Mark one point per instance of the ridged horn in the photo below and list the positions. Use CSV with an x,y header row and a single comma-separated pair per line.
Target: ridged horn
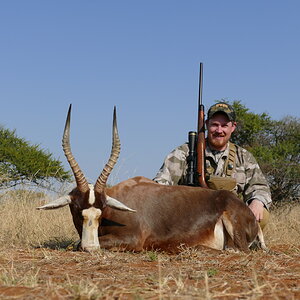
x,y
114,155
81,182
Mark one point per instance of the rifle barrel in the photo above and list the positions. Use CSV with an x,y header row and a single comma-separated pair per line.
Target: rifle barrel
x,y
200,84
201,135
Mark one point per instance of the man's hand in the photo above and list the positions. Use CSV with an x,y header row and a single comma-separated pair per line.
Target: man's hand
x,y
257,208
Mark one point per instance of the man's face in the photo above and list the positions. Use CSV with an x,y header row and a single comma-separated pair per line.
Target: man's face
x,y
219,130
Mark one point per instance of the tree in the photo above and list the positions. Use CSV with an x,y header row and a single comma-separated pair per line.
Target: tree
x,y
275,145
278,152
21,162
249,125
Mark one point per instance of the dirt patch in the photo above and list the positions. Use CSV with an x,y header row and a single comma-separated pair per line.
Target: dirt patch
x,y
203,274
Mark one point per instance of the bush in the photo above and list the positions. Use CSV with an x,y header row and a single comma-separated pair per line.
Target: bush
x,y
22,162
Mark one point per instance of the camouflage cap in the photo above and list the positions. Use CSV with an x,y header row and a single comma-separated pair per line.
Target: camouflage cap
x,y
222,107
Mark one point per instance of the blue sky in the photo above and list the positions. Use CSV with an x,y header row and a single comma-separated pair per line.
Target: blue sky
x,y
143,57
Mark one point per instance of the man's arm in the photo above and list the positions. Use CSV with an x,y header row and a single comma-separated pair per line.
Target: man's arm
x,y
174,166
256,192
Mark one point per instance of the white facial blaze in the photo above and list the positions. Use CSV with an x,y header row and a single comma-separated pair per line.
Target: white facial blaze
x,y
90,240
92,195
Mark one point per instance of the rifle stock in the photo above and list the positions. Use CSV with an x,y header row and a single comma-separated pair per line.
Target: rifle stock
x,y
201,148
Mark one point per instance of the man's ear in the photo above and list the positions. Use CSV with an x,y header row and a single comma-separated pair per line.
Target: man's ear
x,y
233,127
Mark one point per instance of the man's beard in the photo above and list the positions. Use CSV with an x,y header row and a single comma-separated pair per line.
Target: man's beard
x,y
218,143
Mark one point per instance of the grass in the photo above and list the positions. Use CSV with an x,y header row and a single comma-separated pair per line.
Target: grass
x,y
284,225
36,263
22,225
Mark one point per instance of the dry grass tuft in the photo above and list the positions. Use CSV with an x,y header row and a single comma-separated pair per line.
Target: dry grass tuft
x,y
284,225
22,225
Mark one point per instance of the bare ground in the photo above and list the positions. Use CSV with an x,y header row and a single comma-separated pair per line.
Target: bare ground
x,y
44,273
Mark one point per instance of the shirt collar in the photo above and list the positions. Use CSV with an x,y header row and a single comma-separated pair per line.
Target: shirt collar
x,y
209,152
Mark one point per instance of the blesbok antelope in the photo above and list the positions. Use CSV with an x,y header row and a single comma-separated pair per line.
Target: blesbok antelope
x,y
148,215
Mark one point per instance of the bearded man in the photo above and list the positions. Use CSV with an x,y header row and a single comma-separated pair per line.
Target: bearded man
x,y
227,165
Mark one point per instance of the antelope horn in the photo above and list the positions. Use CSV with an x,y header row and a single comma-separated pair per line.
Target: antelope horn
x,y
81,182
116,204
60,202
115,151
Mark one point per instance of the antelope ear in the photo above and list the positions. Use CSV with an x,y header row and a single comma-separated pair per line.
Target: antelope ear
x,y
114,203
58,203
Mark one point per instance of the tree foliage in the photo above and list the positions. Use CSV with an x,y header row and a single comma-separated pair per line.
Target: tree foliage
x,y
21,162
249,125
275,144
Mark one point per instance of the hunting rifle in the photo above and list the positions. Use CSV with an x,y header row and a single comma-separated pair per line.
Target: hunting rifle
x,y
196,159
